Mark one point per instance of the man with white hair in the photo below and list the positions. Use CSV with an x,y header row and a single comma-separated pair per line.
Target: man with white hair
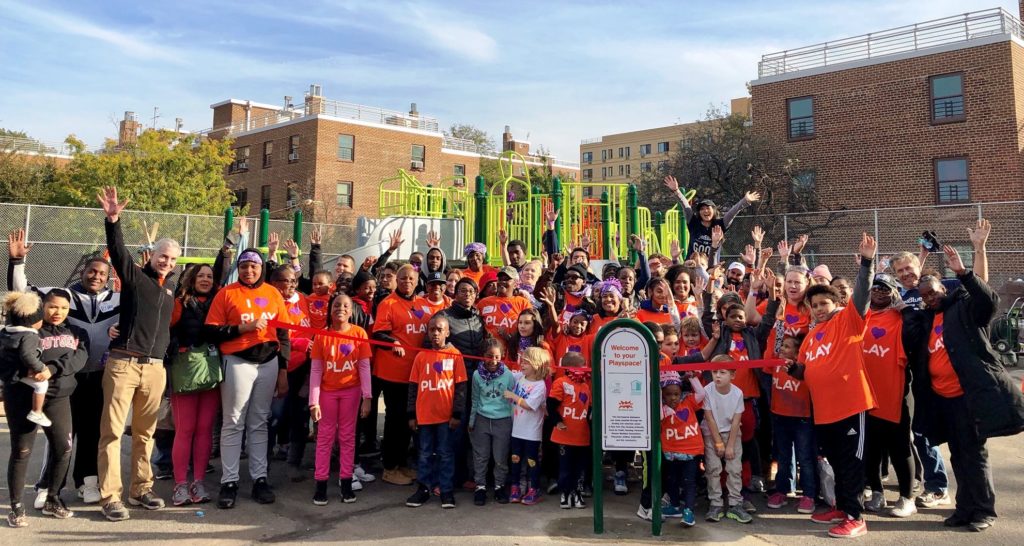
x,y
134,376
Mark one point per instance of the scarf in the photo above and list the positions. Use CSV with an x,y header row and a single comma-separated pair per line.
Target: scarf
x,y
488,376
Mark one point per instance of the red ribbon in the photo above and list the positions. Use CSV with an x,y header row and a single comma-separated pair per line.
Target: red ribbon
x,y
734,365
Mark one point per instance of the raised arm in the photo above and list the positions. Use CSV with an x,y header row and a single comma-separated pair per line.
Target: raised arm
x,y
748,199
17,250
865,275
673,185
984,300
979,236
120,257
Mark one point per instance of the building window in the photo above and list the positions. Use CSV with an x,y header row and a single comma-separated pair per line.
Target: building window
x,y
604,172
293,148
346,147
241,198
622,170
663,147
588,157
662,166
268,153
645,149
588,192
947,94
604,155
588,174
459,171
419,154
344,194
627,170
646,167
951,180
291,195
801,118
265,197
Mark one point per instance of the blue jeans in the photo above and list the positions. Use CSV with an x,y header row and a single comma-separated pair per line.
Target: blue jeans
x,y
529,450
572,460
935,479
794,443
437,457
680,482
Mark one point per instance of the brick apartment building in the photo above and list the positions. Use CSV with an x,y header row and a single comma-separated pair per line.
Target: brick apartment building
x,y
328,158
622,157
923,115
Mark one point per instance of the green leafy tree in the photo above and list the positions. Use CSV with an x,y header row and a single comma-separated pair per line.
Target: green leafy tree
x,y
468,132
163,172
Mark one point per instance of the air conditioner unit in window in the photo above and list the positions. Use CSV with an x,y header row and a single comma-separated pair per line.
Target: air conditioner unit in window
x,y
416,165
243,165
294,156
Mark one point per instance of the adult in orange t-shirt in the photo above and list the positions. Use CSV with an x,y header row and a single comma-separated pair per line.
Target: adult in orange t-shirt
x,y
831,364
500,312
568,407
888,425
255,363
475,266
401,320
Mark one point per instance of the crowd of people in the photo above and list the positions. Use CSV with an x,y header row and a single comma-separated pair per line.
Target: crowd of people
x,y
806,387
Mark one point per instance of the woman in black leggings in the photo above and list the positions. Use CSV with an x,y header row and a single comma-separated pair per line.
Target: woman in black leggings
x,y
65,352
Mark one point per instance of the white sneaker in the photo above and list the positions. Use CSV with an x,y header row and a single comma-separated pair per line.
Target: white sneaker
x,y
90,490
362,475
40,499
356,485
38,418
904,508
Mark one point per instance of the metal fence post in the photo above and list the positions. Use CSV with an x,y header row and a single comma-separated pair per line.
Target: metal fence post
x,y
184,244
979,211
878,239
785,227
28,218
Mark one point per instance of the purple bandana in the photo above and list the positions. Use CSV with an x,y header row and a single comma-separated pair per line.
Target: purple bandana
x,y
250,256
475,247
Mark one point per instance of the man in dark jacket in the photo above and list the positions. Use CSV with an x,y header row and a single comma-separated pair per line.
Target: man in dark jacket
x,y
134,376
962,393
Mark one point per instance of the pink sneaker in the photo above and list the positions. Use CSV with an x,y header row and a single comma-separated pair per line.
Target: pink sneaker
x,y
532,496
830,516
806,505
776,500
514,495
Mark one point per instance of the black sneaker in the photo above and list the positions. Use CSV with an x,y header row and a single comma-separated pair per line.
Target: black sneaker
x,y
419,498
115,511
209,469
261,492
448,500
956,520
347,495
228,495
147,500
480,496
163,472
501,494
977,526
320,496
55,507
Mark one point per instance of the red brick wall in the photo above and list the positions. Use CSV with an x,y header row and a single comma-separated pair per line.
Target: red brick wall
x,y
874,141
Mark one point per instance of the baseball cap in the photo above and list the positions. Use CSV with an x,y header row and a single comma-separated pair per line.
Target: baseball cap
x,y
436,276
509,272
822,271
886,280
579,268
737,265
706,203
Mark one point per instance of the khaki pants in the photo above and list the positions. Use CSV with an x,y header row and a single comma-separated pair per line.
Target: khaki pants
x,y
713,471
138,387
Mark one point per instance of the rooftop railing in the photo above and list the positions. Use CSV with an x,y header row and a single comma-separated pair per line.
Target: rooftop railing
x,y
916,37
333,108
21,145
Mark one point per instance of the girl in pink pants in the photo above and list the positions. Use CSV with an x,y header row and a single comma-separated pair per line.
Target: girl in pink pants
x,y
339,393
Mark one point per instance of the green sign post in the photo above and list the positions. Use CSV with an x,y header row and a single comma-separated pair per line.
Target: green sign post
x,y
626,406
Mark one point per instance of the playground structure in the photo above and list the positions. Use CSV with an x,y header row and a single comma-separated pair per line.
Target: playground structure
x,y
517,206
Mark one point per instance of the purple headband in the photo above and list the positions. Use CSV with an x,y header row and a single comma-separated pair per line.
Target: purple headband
x,y
250,256
670,378
611,285
475,247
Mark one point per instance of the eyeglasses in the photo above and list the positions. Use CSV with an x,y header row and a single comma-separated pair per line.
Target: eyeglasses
x,y
465,292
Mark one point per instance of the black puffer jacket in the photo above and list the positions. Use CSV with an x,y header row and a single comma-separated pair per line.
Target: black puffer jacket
x,y
466,332
65,352
994,401
146,302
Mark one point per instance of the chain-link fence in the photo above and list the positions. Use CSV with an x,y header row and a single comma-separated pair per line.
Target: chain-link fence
x,y
835,235
63,237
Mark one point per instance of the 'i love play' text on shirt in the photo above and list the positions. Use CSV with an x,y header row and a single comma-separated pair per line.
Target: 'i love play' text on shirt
x,y
745,379
573,408
789,395
795,322
945,382
341,357
834,373
501,315
435,373
317,306
406,319
886,362
298,312
680,432
235,304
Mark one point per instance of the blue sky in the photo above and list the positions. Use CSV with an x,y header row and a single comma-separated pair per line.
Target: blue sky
x,y
559,71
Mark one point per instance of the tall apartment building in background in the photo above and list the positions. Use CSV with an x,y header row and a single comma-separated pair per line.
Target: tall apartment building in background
x,y
622,157
329,157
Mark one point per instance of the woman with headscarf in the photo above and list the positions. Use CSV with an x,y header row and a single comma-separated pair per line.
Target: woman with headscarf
x,y
255,367
475,266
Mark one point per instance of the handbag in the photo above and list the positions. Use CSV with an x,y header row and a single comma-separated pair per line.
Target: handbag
x,y
197,369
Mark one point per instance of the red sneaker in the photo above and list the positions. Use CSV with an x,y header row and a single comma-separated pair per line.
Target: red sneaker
x,y
829,516
806,505
849,528
776,500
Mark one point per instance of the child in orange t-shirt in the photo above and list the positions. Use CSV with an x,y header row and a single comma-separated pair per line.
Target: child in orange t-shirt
x,y
831,364
681,443
568,407
792,433
317,301
339,393
437,394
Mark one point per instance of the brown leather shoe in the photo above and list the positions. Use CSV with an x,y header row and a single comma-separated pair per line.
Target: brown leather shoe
x,y
408,472
396,477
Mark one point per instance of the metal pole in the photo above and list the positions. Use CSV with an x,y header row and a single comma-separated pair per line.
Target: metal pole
x,y
264,227
556,201
184,244
297,227
596,399
229,220
480,220
785,228
606,226
28,220
634,217
878,239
